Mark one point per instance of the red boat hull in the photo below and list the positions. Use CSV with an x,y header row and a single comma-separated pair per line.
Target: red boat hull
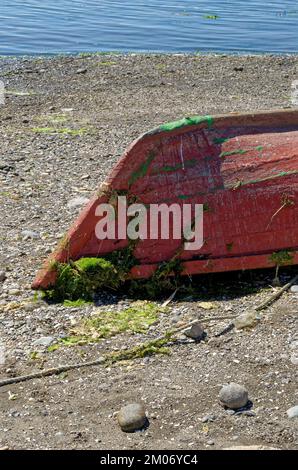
x,y
242,168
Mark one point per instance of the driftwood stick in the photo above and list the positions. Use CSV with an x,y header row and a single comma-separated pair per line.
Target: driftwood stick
x,y
52,371
264,305
276,295
102,360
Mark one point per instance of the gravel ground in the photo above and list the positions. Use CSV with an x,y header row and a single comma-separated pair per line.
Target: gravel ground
x,y
103,102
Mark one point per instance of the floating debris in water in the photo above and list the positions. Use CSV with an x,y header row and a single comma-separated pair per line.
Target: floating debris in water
x,y
211,17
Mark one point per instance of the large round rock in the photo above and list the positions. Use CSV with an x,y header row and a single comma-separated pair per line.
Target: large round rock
x,y
132,417
233,396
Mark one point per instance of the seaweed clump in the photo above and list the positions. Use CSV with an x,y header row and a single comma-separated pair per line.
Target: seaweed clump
x,y
80,280
135,319
165,278
149,348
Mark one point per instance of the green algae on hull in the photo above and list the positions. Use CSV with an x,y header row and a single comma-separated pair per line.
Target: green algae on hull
x,y
188,121
142,170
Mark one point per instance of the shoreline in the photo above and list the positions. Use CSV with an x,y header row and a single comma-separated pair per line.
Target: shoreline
x,y
147,53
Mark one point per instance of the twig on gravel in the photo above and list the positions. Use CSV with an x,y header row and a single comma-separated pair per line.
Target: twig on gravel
x,y
166,302
49,372
264,305
276,295
225,330
67,367
100,361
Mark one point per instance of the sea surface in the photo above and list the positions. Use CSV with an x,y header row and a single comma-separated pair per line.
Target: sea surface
x,y
74,26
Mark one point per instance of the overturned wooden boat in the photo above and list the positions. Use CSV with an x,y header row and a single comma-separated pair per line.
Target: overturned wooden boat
x,y
243,168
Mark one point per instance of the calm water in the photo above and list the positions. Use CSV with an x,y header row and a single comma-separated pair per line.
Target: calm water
x,y
70,26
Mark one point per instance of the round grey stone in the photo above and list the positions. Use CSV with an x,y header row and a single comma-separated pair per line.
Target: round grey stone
x,y
44,341
294,289
132,417
196,332
233,396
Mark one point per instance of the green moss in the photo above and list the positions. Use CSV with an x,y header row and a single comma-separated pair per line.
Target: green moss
x,y
188,121
211,17
53,347
233,152
34,356
84,54
206,207
161,66
281,258
57,118
241,151
135,319
61,130
75,303
165,278
107,63
142,170
79,280
146,349
220,140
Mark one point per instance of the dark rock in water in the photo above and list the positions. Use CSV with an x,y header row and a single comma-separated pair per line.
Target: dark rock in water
x,y
233,396
196,332
132,417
